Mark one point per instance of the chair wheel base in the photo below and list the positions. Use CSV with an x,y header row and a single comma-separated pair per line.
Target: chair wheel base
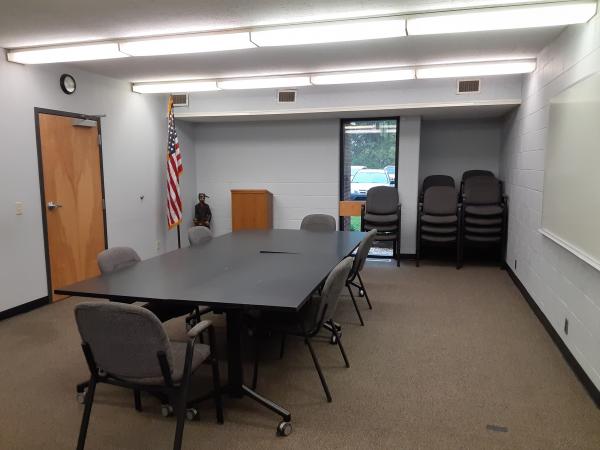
x,y
81,396
333,340
166,410
284,428
191,414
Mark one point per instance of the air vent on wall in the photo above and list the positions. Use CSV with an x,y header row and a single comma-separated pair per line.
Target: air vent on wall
x,y
286,96
468,87
180,100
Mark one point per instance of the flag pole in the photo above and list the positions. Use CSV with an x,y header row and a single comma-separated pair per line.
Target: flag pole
x,y
178,237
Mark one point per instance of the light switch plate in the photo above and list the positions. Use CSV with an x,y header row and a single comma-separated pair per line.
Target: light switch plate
x,y
19,208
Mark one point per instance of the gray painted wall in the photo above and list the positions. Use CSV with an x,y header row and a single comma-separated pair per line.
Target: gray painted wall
x,y
409,143
134,151
449,147
562,285
298,161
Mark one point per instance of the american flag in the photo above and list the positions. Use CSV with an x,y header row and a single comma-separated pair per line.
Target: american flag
x,y
174,171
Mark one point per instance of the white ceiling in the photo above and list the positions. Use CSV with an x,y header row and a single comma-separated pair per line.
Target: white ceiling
x,y
322,57
35,22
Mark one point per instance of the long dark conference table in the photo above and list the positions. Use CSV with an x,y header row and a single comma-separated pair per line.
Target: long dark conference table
x,y
274,270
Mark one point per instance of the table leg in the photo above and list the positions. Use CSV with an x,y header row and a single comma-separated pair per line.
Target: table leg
x,y
234,353
236,387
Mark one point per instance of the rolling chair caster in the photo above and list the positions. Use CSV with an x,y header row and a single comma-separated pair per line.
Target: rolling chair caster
x,y
332,339
191,321
191,414
81,396
166,410
284,428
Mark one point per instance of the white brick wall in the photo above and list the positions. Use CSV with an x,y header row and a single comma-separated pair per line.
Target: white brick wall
x,y
562,285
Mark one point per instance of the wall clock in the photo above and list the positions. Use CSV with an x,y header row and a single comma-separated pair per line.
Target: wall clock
x,y
67,83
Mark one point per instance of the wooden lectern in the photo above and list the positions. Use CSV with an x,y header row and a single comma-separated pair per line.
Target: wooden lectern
x,y
251,209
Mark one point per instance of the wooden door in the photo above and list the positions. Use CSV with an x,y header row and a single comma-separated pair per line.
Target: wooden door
x,y
73,198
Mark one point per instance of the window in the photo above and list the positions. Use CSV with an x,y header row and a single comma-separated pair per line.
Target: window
x,y
369,151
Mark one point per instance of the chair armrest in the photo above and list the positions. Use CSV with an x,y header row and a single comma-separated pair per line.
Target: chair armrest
x,y
199,328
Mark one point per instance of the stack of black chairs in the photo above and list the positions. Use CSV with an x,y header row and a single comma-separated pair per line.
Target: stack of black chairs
x,y
477,218
484,217
382,212
438,218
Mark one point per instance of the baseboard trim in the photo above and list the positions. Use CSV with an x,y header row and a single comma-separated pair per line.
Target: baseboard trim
x,y
25,307
587,383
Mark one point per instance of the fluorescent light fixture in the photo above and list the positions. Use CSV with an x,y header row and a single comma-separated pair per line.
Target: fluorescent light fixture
x,y
65,53
477,69
265,82
169,87
363,76
502,18
339,31
193,43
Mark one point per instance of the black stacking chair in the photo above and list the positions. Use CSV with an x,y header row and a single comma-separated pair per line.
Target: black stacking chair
x,y
435,180
470,174
318,222
476,173
126,345
382,212
308,322
438,221
484,217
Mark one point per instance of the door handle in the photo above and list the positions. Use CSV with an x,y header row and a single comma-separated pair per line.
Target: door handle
x,y
53,205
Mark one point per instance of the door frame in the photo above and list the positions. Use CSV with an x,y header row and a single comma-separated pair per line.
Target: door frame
x,y
37,111
341,156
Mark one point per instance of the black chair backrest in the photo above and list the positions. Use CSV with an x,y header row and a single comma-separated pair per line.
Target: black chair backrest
x,y
435,180
318,222
482,190
382,200
124,339
117,258
440,201
476,173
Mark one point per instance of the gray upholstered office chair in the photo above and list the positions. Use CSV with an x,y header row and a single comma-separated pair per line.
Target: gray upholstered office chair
x,y
308,322
126,345
382,212
318,222
119,258
438,219
357,265
199,235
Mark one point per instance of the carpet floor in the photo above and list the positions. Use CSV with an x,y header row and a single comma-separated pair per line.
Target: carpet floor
x,y
447,360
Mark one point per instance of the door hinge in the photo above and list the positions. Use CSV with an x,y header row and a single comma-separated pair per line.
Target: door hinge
x,y
99,140
104,204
